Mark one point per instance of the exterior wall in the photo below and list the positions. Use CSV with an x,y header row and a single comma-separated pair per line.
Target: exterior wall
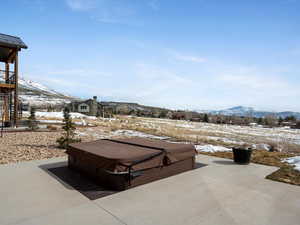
x,y
91,107
94,106
83,108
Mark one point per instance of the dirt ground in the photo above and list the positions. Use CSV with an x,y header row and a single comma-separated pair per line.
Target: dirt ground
x,y
25,146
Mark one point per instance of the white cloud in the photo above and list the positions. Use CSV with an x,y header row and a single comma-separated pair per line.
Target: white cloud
x,y
261,91
254,82
81,5
111,11
188,58
77,72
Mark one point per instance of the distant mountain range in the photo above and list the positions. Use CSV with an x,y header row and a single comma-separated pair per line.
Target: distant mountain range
x,y
37,94
249,111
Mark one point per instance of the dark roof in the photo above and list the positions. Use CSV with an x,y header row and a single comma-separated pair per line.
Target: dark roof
x,y
11,41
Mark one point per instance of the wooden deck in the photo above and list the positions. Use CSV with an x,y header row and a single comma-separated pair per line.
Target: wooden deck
x,y
10,86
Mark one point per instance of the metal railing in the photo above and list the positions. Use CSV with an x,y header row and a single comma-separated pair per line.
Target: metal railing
x,y
11,77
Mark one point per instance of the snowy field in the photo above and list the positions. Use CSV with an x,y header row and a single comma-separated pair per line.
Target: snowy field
x,y
225,135
207,137
230,134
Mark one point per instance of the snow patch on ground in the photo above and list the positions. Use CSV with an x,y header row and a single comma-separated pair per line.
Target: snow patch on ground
x,y
50,121
295,161
60,115
132,133
238,134
265,147
117,133
211,148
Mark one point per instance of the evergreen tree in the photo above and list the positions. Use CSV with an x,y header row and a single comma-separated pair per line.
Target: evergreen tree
x,y
206,119
280,120
162,114
260,121
291,119
32,123
69,128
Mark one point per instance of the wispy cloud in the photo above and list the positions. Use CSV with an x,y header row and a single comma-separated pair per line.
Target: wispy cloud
x,y
255,82
112,11
77,72
187,57
259,89
81,5
153,5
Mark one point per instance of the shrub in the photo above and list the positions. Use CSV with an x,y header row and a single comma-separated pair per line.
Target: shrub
x,y
206,119
32,123
69,128
51,127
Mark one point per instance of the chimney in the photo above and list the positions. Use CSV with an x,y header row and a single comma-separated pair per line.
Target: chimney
x,y
94,107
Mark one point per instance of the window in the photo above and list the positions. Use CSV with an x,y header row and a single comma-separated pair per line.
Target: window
x,y
83,108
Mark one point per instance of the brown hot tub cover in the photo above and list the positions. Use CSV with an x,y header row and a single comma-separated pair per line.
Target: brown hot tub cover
x,y
128,156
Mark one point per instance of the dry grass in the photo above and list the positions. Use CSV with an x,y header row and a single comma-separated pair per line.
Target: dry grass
x,y
176,132
258,156
286,174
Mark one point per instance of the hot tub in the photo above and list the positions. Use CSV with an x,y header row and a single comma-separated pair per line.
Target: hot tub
x,y
120,164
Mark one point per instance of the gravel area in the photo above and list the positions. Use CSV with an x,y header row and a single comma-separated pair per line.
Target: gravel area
x,y
24,146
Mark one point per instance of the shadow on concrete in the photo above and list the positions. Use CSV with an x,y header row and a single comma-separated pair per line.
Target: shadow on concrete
x,y
74,180
71,179
200,165
224,162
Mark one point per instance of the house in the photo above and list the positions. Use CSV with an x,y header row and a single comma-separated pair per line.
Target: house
x,y
90,107
10,46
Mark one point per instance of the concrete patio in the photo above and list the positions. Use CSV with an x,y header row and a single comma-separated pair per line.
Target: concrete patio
x,y
218,192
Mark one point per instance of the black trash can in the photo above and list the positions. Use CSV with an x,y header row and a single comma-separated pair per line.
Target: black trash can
x,y
6,124
242,155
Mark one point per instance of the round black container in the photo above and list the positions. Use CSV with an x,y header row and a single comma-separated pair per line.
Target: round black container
x,y
6,124
242,155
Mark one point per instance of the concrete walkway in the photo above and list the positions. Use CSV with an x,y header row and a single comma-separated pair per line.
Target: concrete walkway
x,y
218,193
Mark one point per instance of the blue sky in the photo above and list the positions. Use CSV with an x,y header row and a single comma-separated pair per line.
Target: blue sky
x,y
192,54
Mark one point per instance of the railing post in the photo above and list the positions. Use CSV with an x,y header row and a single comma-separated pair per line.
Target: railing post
x,y
16,99
5,97
6,78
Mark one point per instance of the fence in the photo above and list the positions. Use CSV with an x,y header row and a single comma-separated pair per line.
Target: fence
x,y
11,77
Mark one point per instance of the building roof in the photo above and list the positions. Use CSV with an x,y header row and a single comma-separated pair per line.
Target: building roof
x,y
9,45
11,41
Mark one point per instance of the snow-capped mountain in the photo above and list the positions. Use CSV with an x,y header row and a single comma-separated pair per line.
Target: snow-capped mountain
x,y
37,94
249,111
29,84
